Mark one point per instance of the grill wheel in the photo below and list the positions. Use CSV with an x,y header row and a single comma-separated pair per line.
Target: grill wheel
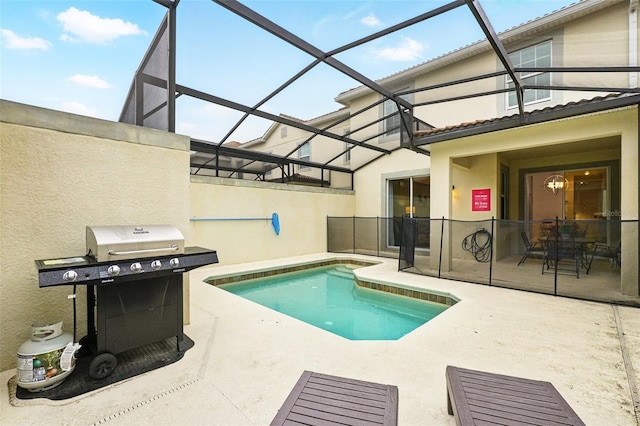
x,y
102,365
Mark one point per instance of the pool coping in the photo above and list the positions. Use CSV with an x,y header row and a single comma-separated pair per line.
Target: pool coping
x,y
432,296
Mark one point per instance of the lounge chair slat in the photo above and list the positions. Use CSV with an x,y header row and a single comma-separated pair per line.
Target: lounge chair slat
x,y
355,413
345,392
341,402
513,400
337,379
523,414
518,420
330,418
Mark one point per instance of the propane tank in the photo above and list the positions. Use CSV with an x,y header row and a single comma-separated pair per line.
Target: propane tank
x,y
46,359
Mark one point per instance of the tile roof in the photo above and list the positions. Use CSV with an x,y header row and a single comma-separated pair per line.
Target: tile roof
x,y
529,117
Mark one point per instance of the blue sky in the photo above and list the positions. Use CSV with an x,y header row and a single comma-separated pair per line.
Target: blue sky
x,y
80,56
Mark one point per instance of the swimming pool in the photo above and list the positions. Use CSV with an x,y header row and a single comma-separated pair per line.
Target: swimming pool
x,y
328,298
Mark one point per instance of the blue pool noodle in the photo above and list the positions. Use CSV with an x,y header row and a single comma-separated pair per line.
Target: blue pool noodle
x,y
275,221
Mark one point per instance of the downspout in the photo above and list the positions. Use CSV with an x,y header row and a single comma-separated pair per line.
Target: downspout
x,y
633,42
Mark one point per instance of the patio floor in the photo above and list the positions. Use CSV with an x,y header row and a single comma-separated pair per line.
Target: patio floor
x,y
602,283
247,358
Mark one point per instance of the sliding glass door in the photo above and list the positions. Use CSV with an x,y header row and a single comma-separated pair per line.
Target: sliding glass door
x,y
581,194
410,197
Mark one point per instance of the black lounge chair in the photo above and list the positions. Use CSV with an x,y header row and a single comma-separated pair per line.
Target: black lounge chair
x,y
322,399
530,248
477,397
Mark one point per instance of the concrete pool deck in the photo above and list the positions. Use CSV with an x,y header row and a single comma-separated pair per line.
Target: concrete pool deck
x,y
247,358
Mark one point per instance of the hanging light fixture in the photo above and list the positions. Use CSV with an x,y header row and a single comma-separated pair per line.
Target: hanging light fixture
x,y
555,183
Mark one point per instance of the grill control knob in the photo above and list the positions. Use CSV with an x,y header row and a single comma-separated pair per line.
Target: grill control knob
x,y
113,270
156,264
175,262
136,267
70,276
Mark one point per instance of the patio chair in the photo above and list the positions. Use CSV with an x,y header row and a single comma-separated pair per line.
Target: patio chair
x,y
603,251
321,399
530,248
479,397
563,255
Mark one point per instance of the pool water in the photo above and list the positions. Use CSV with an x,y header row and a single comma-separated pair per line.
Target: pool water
x,y
328,298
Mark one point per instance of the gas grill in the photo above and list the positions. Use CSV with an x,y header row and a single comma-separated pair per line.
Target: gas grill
x,y
133,276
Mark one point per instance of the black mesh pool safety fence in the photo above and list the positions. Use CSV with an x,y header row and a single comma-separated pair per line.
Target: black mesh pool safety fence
x,y
584,259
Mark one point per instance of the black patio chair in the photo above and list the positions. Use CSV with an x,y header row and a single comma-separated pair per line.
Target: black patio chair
x,y
603,251
563,256
530,248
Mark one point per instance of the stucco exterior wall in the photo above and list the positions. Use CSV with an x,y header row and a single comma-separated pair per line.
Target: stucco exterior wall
x,y
455,112
302,213
607,34
59,173
479,172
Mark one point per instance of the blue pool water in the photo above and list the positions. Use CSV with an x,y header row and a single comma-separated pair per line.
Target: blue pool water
x,y
328,298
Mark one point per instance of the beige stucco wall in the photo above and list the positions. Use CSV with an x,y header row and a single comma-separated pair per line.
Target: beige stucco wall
x,y
605,33
455,112
302,213
59,173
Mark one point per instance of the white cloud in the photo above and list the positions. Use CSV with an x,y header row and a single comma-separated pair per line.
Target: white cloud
x,y
92,81
212,122
370,20
407,50
11,40
78,108
80,25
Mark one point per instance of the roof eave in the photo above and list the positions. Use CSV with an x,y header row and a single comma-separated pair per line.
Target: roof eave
x,y
529,119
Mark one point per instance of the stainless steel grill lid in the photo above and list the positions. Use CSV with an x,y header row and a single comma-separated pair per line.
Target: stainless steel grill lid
x,y
128,242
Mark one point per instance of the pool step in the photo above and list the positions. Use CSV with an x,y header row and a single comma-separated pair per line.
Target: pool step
x,y
341,272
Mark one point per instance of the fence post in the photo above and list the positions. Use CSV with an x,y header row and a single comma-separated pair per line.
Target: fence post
x,y
491,250
555,266
441,239
353,244
378,236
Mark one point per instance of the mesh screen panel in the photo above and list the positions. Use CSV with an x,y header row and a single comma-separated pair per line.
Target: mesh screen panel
x,y
149,108
408,243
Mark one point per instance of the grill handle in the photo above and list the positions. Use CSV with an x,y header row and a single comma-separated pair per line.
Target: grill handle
x,y
154,250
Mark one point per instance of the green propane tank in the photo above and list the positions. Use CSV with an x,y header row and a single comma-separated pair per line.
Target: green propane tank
x,y
46,359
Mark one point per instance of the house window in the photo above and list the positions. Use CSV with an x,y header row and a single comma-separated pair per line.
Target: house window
x,y
531,57
392,123
283,132
304,154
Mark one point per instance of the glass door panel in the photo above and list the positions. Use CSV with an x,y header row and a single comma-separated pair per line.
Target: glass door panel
x,y
566,194
408,197
399,204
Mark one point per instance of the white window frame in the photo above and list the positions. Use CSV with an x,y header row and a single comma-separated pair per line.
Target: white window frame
x,y
304,154
347,151
539,95
388,107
